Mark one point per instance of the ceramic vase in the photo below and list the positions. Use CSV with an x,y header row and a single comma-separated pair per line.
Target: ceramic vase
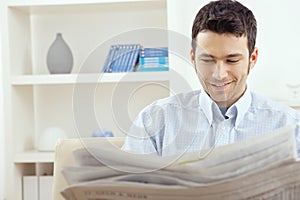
x,y
59,56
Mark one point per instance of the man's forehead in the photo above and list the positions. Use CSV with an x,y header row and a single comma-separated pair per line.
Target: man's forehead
x,y
215,44
206,36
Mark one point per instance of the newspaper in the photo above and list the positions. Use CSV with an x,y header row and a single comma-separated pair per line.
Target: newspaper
x,y
263,167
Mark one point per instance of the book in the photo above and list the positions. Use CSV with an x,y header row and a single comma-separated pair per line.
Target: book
x,y
155,52
152,68
153,64
262,167
109,59
133,58
116,59
121,58
126,56
153,59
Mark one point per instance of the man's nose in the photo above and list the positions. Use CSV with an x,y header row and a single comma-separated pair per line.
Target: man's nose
x,y
220,71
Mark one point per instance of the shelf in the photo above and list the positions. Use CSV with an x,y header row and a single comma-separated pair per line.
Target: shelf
x,y
36,7
36,100
89,78
34,156
67,2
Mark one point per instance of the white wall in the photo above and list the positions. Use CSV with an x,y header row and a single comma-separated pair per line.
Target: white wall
x,y
278,42
2,154
2,143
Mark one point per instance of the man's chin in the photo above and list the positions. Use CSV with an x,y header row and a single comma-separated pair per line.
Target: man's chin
x,y
220,97
221,101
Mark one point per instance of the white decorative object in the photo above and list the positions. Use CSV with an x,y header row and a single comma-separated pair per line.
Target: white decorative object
x,y
49,138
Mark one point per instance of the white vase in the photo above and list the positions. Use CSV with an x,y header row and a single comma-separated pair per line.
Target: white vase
x,y
59,57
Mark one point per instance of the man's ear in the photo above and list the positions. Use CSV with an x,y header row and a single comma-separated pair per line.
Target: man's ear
x,y
253,57
192,55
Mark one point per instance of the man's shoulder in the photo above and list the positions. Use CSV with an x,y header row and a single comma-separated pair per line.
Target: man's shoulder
x,y
262,103
187,99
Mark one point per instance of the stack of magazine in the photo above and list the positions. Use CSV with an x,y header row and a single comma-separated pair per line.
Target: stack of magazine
x,y
122,58
133,57
154,59
263,167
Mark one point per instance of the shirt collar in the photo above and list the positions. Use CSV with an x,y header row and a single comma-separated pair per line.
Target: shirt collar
x,y
206,104
238,109
241,106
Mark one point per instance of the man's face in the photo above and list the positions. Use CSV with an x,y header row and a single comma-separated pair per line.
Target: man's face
x,y
222,64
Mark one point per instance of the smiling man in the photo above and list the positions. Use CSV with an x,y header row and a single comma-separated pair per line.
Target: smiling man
x,y
222,63
223,54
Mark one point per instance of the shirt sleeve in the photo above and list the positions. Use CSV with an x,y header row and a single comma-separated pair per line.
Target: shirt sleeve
x,y
145,132
297,135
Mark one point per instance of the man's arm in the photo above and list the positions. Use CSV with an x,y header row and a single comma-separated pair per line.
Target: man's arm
x,y
145,132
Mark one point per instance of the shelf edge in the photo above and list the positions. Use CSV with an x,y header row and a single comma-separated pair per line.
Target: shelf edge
x,y
22,3
34,156
88,78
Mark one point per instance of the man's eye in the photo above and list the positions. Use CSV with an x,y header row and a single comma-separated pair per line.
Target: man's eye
x,y
233,61
207,60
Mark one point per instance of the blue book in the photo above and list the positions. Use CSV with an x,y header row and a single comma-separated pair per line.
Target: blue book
x,y
129,49
153,60
116,59
152,68
130,59
120,63
108,60
155,52
121,58
133,58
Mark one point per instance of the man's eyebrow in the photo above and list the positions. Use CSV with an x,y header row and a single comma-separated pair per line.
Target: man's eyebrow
x,y
205,55
234,55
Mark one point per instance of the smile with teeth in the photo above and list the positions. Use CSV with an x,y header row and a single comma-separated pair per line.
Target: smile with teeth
x,y
220,86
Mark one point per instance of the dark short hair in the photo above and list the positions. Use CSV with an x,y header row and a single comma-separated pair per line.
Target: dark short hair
x,y
226,16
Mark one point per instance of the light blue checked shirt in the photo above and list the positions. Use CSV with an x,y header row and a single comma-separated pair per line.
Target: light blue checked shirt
x,y
192,121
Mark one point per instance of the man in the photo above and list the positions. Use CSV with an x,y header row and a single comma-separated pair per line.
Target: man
x,y
223,54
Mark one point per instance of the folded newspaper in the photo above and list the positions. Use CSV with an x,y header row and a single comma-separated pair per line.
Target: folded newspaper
x,y
263,167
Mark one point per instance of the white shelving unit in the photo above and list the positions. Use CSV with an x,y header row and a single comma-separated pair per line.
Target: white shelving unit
x,y
35,100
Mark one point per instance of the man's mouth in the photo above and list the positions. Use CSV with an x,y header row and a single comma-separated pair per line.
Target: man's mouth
x,y
221,86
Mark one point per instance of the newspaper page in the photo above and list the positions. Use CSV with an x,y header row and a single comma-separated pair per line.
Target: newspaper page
x,y
260,167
